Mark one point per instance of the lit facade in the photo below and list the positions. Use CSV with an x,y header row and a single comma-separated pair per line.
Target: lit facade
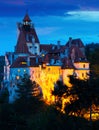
x,y
45,63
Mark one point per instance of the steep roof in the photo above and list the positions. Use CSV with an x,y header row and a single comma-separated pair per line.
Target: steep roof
x,y
67,63
21,46
35,61
75,42
76,54
45,47
20,62
27,18
33,33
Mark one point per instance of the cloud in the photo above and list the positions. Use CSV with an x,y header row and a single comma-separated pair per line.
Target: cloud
x,y
83,15
45,7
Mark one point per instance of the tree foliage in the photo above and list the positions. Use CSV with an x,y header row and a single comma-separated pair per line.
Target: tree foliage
x,y
27,88
92,53
60,91
87,92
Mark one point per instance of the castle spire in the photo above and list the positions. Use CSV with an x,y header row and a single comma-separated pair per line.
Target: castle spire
x,y
26,18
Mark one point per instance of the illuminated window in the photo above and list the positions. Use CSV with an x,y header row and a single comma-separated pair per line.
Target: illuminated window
x,y
23,63
44,65
24,70
17,77
18,70
43,55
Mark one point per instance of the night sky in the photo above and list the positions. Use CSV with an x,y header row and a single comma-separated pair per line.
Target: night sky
x,y
53,19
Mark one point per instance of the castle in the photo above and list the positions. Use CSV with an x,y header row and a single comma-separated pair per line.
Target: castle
x,y
45,63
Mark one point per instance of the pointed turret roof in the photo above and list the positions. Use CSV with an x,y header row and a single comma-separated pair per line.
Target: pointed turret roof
x,y
27,18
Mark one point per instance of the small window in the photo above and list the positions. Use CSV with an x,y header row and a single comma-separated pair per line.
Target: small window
x,y
48,69
23,63
18,70
24,70
83,65
82,74
17,77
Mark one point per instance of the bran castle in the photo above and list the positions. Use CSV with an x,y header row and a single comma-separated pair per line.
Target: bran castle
x,y
45,63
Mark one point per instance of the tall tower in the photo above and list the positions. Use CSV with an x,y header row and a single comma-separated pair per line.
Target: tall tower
x,y
28,41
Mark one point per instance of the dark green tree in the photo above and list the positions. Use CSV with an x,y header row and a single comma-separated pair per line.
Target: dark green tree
x,y
26,88
29,102
28,93
92,53
60,90
87,92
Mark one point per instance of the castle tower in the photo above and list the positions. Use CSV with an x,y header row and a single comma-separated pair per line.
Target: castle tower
x,y
28,41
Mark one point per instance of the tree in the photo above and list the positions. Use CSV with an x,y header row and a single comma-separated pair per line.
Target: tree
x,y
29,96
28,102
27,89
60,91
92,53
87,93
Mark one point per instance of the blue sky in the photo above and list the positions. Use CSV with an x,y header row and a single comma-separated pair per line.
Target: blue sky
x,y
53,19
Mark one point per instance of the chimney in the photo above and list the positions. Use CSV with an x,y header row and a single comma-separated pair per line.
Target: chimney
x,y
58,44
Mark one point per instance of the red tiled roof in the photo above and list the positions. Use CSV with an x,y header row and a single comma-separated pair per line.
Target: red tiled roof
x,y
27,18
49,48
45,47
35,61
67,63
75,42
32,32
77,52
46,58
20,62
21,46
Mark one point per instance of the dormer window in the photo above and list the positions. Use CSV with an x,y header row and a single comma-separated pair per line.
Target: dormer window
x,y
30,47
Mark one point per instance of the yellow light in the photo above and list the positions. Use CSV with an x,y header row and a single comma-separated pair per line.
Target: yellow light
x,y
49,75
18,70
43,55
23,63
17,77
